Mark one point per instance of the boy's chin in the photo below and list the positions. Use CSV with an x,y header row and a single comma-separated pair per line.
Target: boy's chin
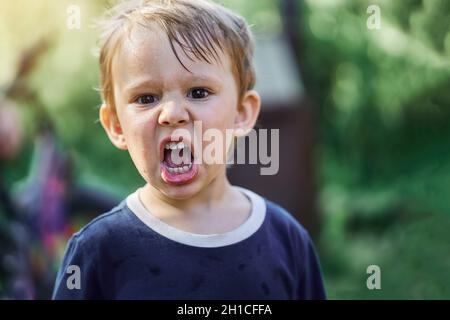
x,y
181,192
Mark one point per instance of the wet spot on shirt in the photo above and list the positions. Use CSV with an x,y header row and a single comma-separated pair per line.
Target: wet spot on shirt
x,y
241,267
258,250
265,288
156,271
197,281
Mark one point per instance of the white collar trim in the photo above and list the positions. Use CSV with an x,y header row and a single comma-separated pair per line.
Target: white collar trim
x,y
245,230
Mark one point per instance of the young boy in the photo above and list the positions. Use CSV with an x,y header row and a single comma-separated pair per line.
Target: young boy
x,y
187,233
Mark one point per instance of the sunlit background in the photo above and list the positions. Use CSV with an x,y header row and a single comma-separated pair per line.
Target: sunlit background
x,y
373,125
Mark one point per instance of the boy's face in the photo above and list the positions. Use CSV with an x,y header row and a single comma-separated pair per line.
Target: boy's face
x,y
155,95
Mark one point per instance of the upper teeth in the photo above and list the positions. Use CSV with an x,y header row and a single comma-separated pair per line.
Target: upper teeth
x,y
174,145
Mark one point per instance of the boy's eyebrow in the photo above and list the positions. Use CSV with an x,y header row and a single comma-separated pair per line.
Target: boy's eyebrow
x,y
212,80
135,85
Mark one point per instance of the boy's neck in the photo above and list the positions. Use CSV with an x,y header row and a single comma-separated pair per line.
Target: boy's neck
x,y
217,208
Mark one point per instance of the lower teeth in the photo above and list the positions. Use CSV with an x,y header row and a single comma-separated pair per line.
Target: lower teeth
x,y
182,169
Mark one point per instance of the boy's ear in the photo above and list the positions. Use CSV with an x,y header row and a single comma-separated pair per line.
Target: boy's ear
x,y
247,113
111,124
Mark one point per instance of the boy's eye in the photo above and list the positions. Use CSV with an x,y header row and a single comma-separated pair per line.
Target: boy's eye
x,y
146,99
198,93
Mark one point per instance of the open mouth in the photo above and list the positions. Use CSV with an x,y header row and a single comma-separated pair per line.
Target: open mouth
x,y
178,157
177,165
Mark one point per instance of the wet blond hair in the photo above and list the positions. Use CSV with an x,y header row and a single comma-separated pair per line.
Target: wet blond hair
x,y
200,27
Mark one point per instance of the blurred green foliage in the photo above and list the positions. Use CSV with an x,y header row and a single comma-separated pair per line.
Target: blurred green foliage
x,y
382,103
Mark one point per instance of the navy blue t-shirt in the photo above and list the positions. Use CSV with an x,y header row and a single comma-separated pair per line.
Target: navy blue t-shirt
x,y
128,253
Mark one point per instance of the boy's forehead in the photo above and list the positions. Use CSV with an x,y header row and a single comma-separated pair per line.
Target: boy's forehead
x,y
147,51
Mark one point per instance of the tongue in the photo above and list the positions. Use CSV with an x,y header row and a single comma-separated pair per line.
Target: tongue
x,y
170,155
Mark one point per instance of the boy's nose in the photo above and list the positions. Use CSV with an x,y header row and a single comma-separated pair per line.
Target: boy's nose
x,y
173,113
